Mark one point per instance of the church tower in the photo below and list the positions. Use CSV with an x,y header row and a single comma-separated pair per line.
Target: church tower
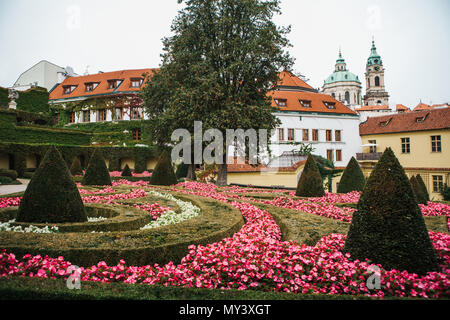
x,y
375,91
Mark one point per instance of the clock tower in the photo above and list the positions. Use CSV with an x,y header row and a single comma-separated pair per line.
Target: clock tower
x,y
375,91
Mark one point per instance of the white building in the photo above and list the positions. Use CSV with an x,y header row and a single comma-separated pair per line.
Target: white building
x,y
314,118
43,74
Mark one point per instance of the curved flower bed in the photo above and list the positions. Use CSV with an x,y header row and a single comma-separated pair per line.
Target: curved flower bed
x,y
142,174
7,226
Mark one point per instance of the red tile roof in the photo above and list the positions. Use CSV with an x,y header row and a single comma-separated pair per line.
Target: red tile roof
x,y
400,107
407,122
316,100
288,79
102,80
373,108
422,106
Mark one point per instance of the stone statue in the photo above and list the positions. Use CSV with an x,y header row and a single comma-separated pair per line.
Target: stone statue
x,y
13,95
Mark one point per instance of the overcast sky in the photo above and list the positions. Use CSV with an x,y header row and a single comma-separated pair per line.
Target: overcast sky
x,y
412,37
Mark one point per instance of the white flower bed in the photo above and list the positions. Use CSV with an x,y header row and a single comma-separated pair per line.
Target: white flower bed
x,y
188,211
6,226
98,219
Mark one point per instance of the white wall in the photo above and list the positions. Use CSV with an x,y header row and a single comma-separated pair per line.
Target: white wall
x,y
350,140
44,73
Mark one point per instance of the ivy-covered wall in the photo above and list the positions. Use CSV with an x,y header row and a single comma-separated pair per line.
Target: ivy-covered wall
x,y
18,153
32,100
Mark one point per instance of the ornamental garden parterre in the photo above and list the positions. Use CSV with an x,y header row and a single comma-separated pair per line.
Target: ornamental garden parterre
x,y
232,239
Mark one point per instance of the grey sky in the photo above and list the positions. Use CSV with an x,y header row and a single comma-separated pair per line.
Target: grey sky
x,y
412,37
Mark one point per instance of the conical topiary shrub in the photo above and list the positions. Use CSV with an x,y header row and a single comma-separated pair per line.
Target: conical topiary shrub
x,y
96,173
75,168
126,172
51,195
417,190
310,183
423,187
388,228
182,170
352,179
163,174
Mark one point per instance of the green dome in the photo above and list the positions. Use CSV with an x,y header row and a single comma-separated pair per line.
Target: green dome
x,y
345,76
374,57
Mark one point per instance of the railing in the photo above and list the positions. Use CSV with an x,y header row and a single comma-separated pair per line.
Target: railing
x,y
368,156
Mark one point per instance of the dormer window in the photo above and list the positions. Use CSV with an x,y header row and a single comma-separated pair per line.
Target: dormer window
x,y
329,105
305,103
385,123
281,102
68,89
90,86
112,84
136,82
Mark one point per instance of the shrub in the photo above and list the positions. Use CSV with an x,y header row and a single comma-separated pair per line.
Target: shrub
x,y
96,173
388,228
423,187
182,170
446,192
12,174
417,190
352,179
75,168
5,180
310,183
126,172
51,195
163,174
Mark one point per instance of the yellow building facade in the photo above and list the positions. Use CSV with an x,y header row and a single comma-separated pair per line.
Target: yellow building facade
x,y
420,141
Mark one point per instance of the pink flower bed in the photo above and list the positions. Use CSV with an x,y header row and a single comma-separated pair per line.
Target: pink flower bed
x,y
154,209
256,259
136,193
106,190
139,183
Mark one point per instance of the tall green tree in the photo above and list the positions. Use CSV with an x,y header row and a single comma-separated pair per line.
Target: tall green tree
x,y
223,58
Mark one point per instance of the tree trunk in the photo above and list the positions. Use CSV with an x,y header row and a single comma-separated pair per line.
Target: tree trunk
x,y
222,175
191,172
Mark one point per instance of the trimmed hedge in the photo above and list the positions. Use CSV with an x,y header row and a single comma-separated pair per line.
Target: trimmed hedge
x,y
423,187
12,174
163,174
126,172
418,191
97,173
388,228
140,247
352,179
52,196
75,168
310,183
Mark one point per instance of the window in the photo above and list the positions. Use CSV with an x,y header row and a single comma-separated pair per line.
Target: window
x,y
281,102
57,118
330,155
101,115
338,155
328,135
136,134
438,183
112,84
305,103
71,117
337,135
315,135
305,135
136,82
373,149
347,96
291,135
405,145
136,113
333,95
280,134
86,116
118,114
90,86
330,105
68,89
436,144
377,81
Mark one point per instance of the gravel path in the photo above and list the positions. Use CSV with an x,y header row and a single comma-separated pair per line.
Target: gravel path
x,y
14,188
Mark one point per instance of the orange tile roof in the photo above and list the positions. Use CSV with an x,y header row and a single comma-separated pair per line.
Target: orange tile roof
x,y
422,106
407,122
317,102
373,108
287,79
402,108
102,80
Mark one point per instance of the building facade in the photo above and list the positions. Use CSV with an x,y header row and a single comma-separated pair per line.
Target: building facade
x,y
376,93
343,85
420,140
312,118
